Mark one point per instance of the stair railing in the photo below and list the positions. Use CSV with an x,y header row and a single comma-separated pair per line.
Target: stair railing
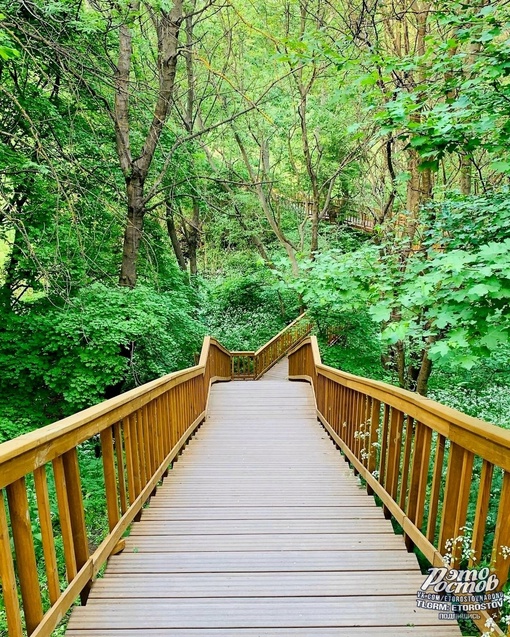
x,y
437,471
138,435
252,365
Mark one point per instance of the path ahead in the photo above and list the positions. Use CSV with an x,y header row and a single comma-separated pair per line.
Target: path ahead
x,y
260,530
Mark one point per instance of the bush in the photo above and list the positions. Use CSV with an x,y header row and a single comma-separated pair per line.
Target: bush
x,y
59,359
245,311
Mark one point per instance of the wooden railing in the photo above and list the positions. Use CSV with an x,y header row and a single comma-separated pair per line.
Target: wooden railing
x,y
243,365
360,221
437,471
251,365
138,434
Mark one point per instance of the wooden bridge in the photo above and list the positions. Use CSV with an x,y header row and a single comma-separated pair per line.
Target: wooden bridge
x,y
259,527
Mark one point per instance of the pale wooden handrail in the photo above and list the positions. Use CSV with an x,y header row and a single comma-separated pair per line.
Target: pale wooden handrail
x,y
418,457
252,364
140,433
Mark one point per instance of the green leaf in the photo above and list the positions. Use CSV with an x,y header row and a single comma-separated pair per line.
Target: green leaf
x,y
380,313
438,350
477,291
494,337
500,166
8,53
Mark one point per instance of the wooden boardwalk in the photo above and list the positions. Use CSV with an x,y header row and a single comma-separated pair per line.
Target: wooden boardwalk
x,y
260,529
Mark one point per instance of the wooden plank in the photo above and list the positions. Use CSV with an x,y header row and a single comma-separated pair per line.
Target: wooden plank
x,y
25,554
274,542
419,474
76,513
383,450
393,631
407,462
368,511
48,541
131,459
190,585
458,484
394,452
76,510
119,452
9,587
65,518
273,501
142,448
437,480
254,612
247,489
501,543
265,526
482,510
110,477
268,561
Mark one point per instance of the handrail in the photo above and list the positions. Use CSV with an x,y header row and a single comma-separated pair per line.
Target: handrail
x,y
252,364
360,221
140,434
433,467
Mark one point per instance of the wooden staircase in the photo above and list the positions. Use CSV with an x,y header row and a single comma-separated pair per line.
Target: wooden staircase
x,y
260,526
243,516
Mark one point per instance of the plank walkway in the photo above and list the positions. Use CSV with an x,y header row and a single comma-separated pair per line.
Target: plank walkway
x,y
260,530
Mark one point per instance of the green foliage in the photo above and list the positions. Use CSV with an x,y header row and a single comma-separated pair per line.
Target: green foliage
x,y
244,312
467,222
449,298
58,359
463,98
349,341
481,392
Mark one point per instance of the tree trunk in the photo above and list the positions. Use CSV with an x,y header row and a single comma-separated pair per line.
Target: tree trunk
x,y
194,239
465,175
136,170
424,374
400,363
132,232
314,240
172,233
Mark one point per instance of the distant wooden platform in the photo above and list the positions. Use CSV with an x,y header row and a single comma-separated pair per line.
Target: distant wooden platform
x,y
260,530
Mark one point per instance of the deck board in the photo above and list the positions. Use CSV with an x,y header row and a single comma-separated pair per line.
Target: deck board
x,y
260,530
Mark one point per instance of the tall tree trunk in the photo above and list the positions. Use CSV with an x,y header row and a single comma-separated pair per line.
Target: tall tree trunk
x,y
194,239
172,233
312,175
465,175
136,170
133,231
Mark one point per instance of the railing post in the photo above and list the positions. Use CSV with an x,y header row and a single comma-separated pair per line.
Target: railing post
x,y
110,479
48,542
77,513
9,588
458,484
25,554
375,414
500,561
419,474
